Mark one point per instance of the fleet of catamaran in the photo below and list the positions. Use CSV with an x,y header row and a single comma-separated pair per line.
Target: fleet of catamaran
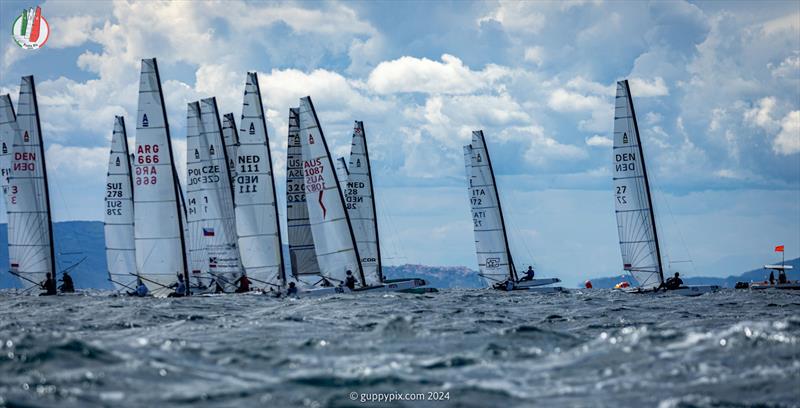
x,y
226,227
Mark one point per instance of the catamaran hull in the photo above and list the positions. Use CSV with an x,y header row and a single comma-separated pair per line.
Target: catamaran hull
x,y
789,285
535,282
527,285
683,290
394,286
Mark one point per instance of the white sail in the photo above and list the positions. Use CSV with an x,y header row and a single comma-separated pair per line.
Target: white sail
x,y
209,204
638,240
341,172
231,138
301,243
334,241
30,234
360,201
158,216
8,131
491,243
256,206
118,222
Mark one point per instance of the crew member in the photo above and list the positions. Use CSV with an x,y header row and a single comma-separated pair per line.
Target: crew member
x,y
292,291
180,288
49,285
782,276
771,277
67,286
350,280
141,289
244,284
674,282
528,274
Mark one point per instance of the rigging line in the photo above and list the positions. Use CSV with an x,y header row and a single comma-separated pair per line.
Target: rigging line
x,y
680,235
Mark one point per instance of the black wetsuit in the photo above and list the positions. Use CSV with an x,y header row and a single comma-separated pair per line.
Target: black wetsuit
x,y
49,287
673,283
350,282
68,286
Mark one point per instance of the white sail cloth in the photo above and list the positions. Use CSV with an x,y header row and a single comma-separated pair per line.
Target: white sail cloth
x,y
360,202
334,241
635,223
209,204
491,242
118,221
158,224
257,221
302,256
30,235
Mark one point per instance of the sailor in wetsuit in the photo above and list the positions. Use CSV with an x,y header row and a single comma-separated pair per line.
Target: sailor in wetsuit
x,y
67,286
350,280
528,274
292,291
49,286
672,283
141,289
180,288
244,284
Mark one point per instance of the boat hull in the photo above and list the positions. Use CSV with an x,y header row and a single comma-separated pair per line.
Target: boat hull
x,y
396,285
683,290
784,286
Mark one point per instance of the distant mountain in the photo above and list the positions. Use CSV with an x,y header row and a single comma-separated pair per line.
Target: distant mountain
x,y
78,239
755,275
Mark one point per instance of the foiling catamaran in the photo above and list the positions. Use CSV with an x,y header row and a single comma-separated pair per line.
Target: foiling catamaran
x,y
638,237
321,232
118,220
159,226
255,199
359,194
491,240
213,251
30,229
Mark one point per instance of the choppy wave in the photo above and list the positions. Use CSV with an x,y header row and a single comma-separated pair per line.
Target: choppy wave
x,y
482,348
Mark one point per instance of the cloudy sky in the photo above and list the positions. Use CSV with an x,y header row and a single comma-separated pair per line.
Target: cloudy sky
x,y
716,87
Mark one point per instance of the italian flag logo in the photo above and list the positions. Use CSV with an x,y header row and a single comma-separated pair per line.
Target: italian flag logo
x,y
30,30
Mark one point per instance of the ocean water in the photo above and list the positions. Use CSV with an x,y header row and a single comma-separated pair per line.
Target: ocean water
x,y
469,348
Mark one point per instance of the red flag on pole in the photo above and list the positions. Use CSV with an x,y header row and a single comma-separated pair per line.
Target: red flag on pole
x,y
779,248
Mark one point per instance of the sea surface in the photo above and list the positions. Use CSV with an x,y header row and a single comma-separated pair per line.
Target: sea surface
x,y
469,348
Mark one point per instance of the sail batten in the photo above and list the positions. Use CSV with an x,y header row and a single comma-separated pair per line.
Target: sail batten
x,y
302,255
30,230
118,222
633,203
257,219
491,241
158,212
360,201
334,240
210,215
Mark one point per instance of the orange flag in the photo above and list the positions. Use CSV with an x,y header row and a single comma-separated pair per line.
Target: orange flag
x,y
779,248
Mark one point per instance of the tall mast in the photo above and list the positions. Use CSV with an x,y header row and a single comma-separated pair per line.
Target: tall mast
x,y
374,211
282,267
512,269
176,182
340,194
44,175
646,181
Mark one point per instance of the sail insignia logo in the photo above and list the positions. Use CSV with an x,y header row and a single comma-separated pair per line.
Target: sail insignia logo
x,y
30,30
